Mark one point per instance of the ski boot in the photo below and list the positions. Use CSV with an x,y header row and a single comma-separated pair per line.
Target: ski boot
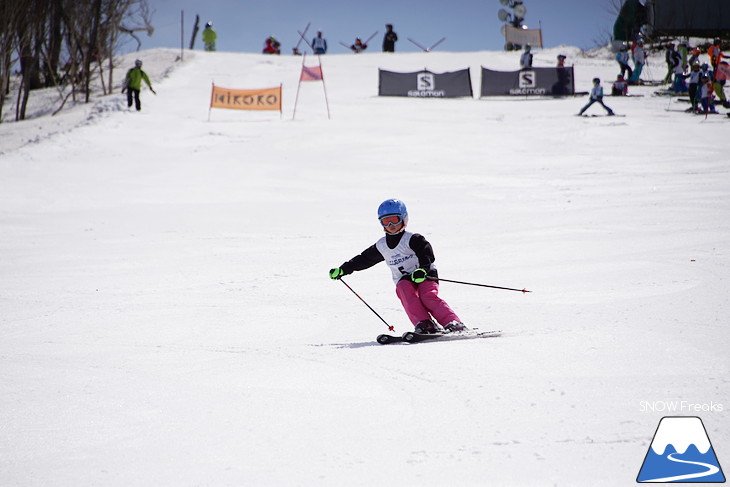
x,y
428,327
455,326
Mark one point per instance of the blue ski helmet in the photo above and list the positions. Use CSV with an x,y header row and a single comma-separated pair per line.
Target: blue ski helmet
x,y
393,207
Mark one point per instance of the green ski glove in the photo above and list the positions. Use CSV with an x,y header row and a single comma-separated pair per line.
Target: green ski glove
x,y
419,275
336,273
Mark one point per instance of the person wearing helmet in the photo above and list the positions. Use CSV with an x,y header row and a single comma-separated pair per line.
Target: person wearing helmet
x,y
133,84
209,37
596,96
412,264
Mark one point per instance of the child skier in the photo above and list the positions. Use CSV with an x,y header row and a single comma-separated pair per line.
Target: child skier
x,y
596,96
411,260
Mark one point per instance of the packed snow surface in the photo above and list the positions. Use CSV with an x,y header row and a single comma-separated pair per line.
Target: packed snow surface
x,y
166,317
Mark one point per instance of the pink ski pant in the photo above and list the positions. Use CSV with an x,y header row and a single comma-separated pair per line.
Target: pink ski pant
x,y
421,301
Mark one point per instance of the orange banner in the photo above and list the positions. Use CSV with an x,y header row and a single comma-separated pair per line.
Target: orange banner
x,y
265,99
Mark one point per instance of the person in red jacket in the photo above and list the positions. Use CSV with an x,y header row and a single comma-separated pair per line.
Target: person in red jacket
x,y
715,54
272,46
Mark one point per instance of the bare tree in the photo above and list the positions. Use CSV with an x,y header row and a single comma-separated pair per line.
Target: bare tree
x,y
64,43
10,13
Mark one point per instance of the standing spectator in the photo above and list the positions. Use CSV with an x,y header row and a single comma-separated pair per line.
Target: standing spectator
x,y
133,83
622,58
620,87
272,46
209,37
639,60
319,44
526,58
389,39
715,54
596,96
358,46
561,61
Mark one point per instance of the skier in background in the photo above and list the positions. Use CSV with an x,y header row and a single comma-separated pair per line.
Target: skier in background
x,y
133,84
705,92
673,59
622,58
358,46
209,37
561,61
272,46
722,74
596,96
389,39
620,87
411,261
319,44
639,60
526,58
715,53
694,83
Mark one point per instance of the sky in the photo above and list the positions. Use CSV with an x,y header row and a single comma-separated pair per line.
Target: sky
x,y
468,25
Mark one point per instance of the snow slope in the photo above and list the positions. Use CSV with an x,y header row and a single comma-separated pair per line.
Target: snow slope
x,y
167,319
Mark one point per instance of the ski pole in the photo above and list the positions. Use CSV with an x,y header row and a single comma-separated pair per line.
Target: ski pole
x,y
480,285
366,304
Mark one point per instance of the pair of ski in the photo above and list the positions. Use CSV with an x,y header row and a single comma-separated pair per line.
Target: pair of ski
x,y
413,337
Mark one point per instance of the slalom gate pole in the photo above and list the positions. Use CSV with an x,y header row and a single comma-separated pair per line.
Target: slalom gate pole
x,y
366,304
480,285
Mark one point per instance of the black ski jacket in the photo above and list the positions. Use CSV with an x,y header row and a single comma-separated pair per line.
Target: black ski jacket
x,y
371,255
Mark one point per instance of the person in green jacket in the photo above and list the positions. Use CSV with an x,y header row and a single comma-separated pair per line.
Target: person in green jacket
x,y
133,83
209,37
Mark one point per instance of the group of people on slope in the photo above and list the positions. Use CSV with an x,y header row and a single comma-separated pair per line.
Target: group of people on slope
x,y
318,43
702,81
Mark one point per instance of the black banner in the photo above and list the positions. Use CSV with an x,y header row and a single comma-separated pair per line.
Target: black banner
x,y
534,81
425,84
